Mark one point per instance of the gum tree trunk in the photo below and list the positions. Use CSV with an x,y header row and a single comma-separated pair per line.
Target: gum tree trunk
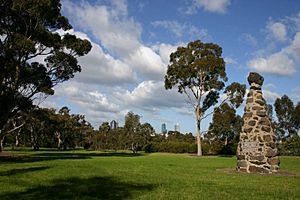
x,y
199,149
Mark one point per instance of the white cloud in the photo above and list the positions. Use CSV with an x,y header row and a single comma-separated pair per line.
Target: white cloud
x,y
152,96
101,68
165,50
283,62
277,30
119,33
85,99
270,96
148,63
180,29
294,48
278,64
230,61
215,6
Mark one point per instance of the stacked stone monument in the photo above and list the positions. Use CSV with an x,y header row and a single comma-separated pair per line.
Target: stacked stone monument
x,y
257,150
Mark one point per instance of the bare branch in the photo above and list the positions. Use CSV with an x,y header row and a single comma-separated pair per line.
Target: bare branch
x,y
190,98
15,128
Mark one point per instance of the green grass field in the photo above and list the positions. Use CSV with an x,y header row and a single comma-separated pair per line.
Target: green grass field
x,y
120,175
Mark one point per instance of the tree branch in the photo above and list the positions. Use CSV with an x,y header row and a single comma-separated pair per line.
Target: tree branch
x,y
189,97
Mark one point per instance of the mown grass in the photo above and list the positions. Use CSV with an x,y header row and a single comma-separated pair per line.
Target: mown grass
x,y
121,175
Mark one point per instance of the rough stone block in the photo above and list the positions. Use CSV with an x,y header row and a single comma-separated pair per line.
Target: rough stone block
x,y
242,163
249,100
264,121
240,157
261,113
274,161
248,130
274,168
260,102
248,115
258,169
266,128
271,144
252,123
256,162
271,153
257,108
267,138
259,158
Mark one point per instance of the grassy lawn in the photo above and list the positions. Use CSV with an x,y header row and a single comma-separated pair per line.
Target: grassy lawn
x,y
120,175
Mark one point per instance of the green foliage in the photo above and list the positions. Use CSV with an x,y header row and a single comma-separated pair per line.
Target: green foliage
x,y
224,130
28,33
285,112
290,146
171,147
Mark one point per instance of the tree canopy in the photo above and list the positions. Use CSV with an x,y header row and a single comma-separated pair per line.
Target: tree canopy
x,y
34,57
287,116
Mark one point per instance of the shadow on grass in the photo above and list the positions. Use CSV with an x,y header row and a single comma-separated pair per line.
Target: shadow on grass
x,y
22,171
42,156
77,188
227,156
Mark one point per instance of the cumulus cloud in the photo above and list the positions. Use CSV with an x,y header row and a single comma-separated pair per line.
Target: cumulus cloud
x,y
278,64
119,33
215,6
85,99
283,62
165,50
101,68
152,96
269,93
147,62
277,30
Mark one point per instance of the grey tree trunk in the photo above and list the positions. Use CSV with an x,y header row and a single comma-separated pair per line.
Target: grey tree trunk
x,y
199,149
1,143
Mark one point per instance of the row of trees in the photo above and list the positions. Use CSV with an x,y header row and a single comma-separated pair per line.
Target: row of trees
x,y
43,127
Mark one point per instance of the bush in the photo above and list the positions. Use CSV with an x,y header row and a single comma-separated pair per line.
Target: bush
x,y
170,146
291,146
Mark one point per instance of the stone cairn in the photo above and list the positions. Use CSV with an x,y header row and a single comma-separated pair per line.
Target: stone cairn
x,y
257,150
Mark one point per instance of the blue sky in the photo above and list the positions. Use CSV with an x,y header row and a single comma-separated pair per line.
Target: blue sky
x,y
132,41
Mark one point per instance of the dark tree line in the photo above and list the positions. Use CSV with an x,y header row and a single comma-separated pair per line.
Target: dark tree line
x,y
287,125
44,127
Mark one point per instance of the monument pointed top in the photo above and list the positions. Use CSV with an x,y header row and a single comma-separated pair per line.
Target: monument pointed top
x,y
255,78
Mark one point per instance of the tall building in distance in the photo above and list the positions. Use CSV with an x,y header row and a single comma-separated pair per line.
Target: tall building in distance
x,y
177,127
113,124
164,128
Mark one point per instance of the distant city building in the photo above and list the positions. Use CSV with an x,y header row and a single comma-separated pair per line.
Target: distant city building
x,y
164,128
177,127
113,124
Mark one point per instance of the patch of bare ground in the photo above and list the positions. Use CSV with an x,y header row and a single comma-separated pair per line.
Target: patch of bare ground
x,y
7,154
279,173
